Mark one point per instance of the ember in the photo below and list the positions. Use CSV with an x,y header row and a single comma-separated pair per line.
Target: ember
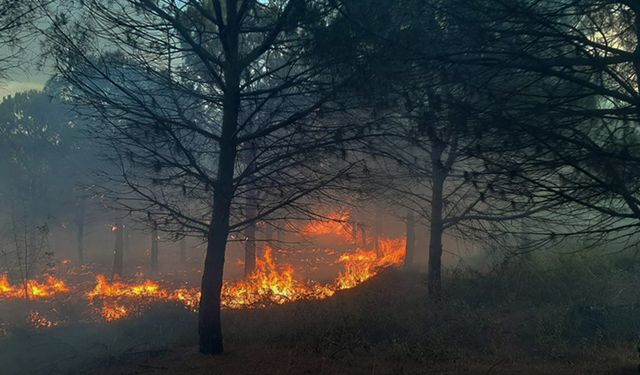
x,y
37,320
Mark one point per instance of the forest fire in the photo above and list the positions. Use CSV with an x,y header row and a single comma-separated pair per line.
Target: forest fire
x,y
271,283
32,288
235,187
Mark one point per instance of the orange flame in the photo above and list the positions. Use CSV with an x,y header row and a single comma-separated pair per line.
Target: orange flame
x,y
32,288
116,300
120,289
268,284
336,224
111,311
364,264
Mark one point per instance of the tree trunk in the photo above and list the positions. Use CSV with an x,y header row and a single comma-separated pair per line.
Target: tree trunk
x,y
354,231
437,229
154,249
209,324
183,250
364,236
250,246
251,209
376,232
268,236
281,235
118,253
126,238
80,219
411,241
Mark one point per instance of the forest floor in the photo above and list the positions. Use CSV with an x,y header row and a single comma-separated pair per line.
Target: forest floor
x,y
258,359
385,326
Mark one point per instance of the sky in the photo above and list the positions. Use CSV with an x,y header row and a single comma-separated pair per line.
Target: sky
x,y
10,87
32,71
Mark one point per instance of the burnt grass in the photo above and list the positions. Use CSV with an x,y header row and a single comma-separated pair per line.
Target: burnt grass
x,y
560,316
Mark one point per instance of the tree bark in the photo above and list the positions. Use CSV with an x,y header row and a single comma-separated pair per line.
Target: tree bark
x,y
251,210
437,229
209,324
268,236
118,253
411,241
154,248
183,250
364,236
376,232
354,231
209,317
250,245
80,219
281,235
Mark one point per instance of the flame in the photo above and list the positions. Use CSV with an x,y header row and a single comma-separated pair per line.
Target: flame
x,y
111,311
116,300
336,224
190,298
32,288
268,284
271,283
147,288
364,264
5,287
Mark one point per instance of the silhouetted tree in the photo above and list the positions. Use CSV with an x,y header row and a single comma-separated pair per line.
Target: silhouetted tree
x,y
184,92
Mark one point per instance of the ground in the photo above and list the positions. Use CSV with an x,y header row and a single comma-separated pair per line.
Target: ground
x,y
385,326
254,359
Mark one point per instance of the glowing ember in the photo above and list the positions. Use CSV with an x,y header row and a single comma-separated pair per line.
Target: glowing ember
x,y
111,311
37,320
32,288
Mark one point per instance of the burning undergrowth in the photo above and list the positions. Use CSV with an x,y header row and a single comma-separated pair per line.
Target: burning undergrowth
x,y
98,298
